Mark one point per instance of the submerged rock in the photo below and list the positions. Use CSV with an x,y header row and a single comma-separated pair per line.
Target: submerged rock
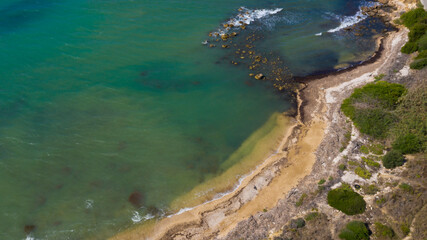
x,y
29,228
136,199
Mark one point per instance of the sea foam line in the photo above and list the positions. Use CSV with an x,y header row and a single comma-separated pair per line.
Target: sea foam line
x,y
348,21
246,17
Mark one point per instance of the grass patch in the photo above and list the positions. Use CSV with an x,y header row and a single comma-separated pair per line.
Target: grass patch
x,y
355,230
408,143
353,163
364,149
346,200
379,77
371,162
362,172
370,189
393,159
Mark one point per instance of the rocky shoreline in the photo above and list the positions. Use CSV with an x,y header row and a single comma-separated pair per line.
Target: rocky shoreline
x,y
286,188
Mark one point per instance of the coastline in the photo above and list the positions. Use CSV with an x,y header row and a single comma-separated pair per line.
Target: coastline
x,y
275,179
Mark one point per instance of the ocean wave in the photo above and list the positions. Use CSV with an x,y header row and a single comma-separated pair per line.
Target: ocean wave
x,y
347,21
138,218
245,17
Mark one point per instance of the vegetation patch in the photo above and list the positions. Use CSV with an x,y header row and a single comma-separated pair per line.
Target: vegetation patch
x,y
383,231
346,200
416,21
370,162
301,200
322,181
363,172
370,107
355,230
410,133
408,143
407,188
393,159
404,227
370,189
311,216
342,167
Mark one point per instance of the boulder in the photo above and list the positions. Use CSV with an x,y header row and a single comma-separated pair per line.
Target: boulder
x,y
259,76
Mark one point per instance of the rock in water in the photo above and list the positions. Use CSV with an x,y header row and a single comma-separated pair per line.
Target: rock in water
x,y
29,228
136,199
259,76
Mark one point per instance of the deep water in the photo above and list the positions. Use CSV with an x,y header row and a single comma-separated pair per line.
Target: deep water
x,y
100,99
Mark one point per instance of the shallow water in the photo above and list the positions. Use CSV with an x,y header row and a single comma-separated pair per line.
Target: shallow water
x,y
102,99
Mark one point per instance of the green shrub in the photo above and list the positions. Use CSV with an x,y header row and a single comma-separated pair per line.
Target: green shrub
x,y
393,159
297,223
353,163
376,148
418,64
422,46
363,173
342,167
408,143
346,200
370,107
364,149
322,181
407,188
414,16
409,47
374,122
422,54
370,162
311,216
417,31
383,230
405,229
355,230
412,112
379,77
301,200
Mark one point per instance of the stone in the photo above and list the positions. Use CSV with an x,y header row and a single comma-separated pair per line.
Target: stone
x,y
259,76
136,199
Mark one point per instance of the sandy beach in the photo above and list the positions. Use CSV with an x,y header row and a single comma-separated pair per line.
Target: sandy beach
x,y
307,151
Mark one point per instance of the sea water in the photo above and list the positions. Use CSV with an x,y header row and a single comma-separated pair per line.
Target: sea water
x,y
103,100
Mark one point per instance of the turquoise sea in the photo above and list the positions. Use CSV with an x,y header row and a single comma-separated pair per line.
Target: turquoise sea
x,y
111,109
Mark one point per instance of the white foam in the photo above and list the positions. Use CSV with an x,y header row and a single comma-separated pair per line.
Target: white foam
x,y
347,21
89,203
138,218
318,34
245,17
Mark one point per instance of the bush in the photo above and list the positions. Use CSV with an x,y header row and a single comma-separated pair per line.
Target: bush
x,y
393,159
346,200
407,188
311,216
418,64
417,31
383,230
355,230
422,46
374,122
342,167
405,229
412,17
322,181
408,143
297,223
409,47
